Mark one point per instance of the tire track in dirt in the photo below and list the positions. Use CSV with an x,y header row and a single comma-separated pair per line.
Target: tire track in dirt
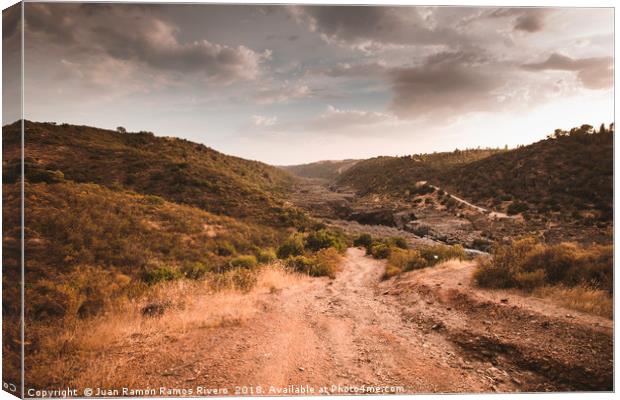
x,y
428,331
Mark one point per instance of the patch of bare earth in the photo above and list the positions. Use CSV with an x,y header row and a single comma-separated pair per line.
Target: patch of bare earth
x,y
520,342
427,331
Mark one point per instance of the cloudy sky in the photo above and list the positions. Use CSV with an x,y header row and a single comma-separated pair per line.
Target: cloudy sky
x,y
293,84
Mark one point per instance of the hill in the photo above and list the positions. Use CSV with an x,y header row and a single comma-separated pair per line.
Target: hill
x,y
568,175
328,170
109,212
175,169
397,175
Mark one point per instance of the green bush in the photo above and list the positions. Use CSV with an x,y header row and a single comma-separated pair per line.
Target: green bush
x,y
225,249
265,256
380,250
161,274
422,257
293,246
323,238
300,263
325,262
440,253
399,242
363,240
194,270
247,261
240,279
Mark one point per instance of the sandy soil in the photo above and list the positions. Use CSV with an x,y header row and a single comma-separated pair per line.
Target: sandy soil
x,y
426,331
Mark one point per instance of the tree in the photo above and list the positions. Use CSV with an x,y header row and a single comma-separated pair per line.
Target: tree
x,y
602,128
120,129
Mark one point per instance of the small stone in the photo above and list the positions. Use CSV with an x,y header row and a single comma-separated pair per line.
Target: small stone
x,y
301,369
504,300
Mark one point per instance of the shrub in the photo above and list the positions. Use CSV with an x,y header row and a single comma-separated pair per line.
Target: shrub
x,y
399,242
527,264
488,275
247,261
301,264
323,239
194,270
530,280
391,271
293,246
517,207
427,256
265,256
380,250
439,253
363,240
225,249
161,274
239,278
325,262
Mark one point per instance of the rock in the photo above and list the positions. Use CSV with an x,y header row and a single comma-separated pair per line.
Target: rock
x,y
438,326
386,292
515,380
302,369
504,300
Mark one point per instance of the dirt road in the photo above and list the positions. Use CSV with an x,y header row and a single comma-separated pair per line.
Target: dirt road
x,y
427,331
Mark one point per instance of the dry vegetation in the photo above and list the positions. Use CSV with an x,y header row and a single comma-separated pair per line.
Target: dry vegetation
x,y
174,169
400,258
164,313
117,219
578,277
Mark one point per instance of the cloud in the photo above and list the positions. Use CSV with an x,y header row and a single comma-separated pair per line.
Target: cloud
x,y
263,121
337,119
373,28
447,83
136,35
282,93
593,72
524,19
377,68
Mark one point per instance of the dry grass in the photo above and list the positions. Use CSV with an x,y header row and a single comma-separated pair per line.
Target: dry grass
x,y
66,356
592,301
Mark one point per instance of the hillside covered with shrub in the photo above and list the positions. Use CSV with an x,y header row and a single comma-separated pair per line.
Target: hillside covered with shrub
x,y
327,170
175,169
569,174
111,213
398,175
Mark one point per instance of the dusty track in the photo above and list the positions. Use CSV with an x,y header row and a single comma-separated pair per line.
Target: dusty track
x,y
425,332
